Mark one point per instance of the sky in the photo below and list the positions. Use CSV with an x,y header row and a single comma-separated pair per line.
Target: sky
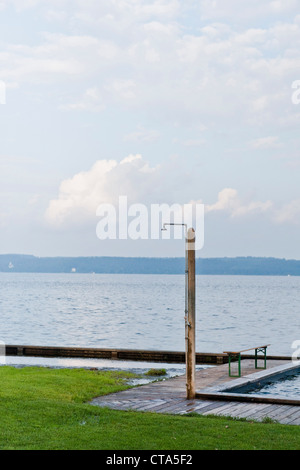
x,y
162,101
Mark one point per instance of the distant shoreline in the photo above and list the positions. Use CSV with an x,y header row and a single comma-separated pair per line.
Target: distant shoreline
x,y
122,265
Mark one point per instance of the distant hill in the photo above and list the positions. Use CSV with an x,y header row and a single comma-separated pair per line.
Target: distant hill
x,y
118,265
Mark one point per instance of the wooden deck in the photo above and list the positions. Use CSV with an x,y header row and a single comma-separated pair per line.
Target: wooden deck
x,y
169,396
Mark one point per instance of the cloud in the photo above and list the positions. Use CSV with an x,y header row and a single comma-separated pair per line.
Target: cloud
x,y
124,48
80,196
142,135
288,213
226,9
121,89
264,143
126,13
57,58
93,11
228,201
90,101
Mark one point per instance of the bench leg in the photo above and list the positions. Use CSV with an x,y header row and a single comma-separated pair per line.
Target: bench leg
x,y
231,356
264,351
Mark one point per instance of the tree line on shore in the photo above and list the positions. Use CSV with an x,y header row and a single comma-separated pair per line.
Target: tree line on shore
x,y
122,265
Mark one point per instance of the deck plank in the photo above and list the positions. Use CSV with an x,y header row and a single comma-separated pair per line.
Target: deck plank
x,y
222,410
249,411
294,417
228,410
287,416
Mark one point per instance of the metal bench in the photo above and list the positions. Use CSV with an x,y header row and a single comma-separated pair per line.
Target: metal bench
x,y
237,355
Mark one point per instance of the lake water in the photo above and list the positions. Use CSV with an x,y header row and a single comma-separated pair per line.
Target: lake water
x,y
147,311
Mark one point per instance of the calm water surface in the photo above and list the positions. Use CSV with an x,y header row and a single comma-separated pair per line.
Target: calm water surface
x,y
147,311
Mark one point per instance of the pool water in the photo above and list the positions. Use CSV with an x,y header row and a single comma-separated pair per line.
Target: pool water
x,y
285,387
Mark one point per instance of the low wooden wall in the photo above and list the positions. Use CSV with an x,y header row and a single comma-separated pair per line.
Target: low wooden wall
x,y
121,354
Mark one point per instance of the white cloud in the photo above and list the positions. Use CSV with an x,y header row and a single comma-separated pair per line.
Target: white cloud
x,y
144,57
264,143
146,10
56,59
142,135
229,201
90,101
121,89
127,12
288,213
107,180
280,6
246,11
80,196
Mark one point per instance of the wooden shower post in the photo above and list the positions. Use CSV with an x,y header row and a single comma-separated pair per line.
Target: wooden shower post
x,y
190,325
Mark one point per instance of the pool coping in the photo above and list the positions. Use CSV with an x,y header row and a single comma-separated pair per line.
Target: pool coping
x,y
225,391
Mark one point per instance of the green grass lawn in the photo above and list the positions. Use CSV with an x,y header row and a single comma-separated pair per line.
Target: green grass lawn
x,y
43,408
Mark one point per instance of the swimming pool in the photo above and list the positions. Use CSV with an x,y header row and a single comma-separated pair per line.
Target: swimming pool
x,y
276,385
285,387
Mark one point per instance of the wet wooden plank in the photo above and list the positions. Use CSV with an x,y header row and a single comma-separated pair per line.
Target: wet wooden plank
x,y
196,409
212,405
177,405
294,417
184,404
265,410
159,407
147,405
287,415
224,410
203,406
237,411
295,422
253,411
